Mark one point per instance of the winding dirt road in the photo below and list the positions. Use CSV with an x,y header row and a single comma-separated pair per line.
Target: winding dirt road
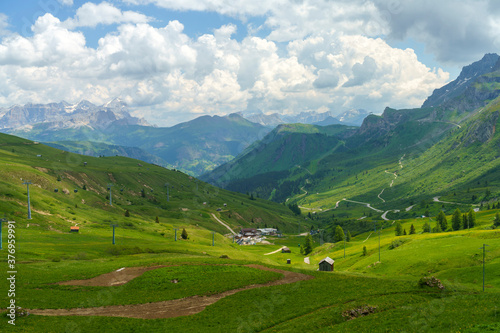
x,y
166,309
224,224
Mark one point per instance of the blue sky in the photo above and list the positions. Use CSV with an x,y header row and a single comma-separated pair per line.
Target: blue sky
x,y
172,61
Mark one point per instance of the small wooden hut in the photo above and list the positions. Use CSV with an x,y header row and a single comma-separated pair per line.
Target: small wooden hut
x,y
326,265
285,250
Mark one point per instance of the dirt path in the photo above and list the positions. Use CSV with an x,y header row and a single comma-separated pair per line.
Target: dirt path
x,y
436,199
384,216
368,237
224,224
278,250
167,309
379,196
366,204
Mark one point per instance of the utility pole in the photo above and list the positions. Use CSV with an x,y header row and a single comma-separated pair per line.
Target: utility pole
x,y
213,238
114,225
28,183
175,237
484,257
110,200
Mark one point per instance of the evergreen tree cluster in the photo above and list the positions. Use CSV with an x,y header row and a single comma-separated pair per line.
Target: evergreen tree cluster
x,y
295,209
458,221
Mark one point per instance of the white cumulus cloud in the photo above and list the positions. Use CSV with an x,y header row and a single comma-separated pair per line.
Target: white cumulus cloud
x,y
91,15
321,58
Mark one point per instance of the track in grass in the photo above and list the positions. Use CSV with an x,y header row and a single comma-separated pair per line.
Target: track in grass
x,y
166,309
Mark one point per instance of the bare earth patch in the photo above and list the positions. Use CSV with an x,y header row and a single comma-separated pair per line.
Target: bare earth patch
x,y
166,309
115,278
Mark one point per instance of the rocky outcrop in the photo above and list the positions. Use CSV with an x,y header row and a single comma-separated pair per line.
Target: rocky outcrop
x,y
377,126
483,90
482,130
464,80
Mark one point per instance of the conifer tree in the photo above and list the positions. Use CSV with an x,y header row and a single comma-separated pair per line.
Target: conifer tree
x,y
404,232
399,229
339,234
127,213
437,228
441,219
365,252
465,221
412,230
496,221
184,234
456,219
157,220
472,218
426,227
307,248
348,236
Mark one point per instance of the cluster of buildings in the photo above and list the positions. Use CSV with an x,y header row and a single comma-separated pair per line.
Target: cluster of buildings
x,y
252,236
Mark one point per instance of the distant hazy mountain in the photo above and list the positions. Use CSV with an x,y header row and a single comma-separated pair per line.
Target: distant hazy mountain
x,y
64,115
465,79
196,146
351,117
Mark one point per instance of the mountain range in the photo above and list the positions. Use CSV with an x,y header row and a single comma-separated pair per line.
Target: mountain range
x,y
449,144
352,117
276,156
195,146
56,116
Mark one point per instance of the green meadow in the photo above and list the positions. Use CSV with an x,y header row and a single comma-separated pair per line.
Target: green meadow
x,y
208,263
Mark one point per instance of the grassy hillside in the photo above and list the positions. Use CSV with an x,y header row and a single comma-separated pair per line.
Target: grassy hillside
x,y
387,290
263,166
138,187
96,149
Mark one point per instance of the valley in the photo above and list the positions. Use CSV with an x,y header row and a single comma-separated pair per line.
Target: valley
x,y
218,285
401,209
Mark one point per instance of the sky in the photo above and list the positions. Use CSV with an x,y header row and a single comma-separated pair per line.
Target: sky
x,y
175,60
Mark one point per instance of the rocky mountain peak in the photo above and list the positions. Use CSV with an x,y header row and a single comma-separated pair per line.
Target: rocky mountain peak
x,y
467,76
65,115
85,105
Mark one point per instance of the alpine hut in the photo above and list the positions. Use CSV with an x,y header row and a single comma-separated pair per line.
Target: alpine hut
x,y
326,264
